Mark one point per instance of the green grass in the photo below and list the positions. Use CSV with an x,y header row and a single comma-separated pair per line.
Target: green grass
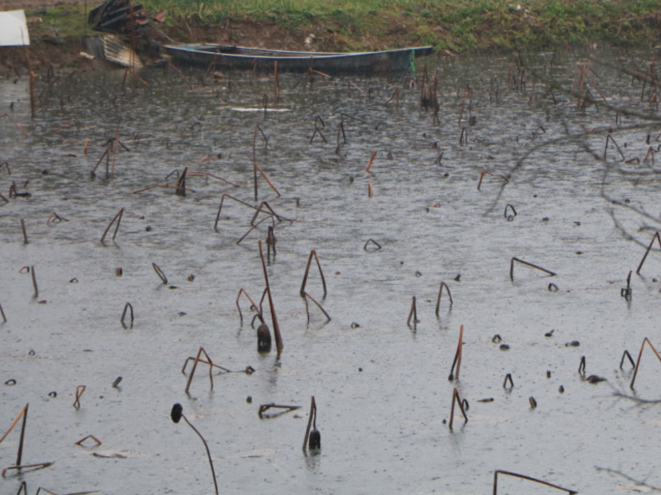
x,y
458,25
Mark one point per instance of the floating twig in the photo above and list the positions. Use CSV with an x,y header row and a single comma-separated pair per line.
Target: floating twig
x,y
658,238
80,390
524,477
640,354
528,264
440,293
457,355
118,218
455,398
127,306
176,414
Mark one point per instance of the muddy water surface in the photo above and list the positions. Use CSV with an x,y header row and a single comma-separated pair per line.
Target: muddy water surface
x,y
381,388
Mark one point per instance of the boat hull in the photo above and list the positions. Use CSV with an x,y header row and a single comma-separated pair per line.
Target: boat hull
x,y
242,58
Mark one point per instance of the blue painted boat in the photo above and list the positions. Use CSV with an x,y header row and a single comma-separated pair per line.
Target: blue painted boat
x,y
240,57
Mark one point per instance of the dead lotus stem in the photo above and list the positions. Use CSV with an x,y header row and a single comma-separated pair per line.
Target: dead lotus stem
x,y
272,213
190,86
25,234
527,264
160,273
259,169
118,218
640,354
581,366
265,407
307,310
627,355
181,184
312,422
80,390
66,124
250,230
115,147
127,306
313,253
254,143
580,88
211,364
92,437
369,164
524,477
594,82
658,239
457,399
370,190
243,291
457,355
508,378
15,123
486,172
440,293
205,174
33,467
413,314
24,411
178,188
34,282
197,360
616,145
274,319
2,313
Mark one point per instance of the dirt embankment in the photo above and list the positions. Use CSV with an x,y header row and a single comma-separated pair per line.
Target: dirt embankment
x,y
33,4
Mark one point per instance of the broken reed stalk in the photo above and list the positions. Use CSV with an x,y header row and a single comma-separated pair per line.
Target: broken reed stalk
x,y
313,253
25,234
34,282
308,296
640,354
15,123
527,264
524,477
197,360
127,306
658,238
256,169
457,355
369,164
440,293
243,291
312,422
274,319
160,273
117,217
413,314
456,398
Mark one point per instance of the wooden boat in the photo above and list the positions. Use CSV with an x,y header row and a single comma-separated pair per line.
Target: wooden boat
x,y
239,57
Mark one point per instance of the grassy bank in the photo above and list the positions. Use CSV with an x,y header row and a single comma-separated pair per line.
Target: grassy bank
x,y
458,26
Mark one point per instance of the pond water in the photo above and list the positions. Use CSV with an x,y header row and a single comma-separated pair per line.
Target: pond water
x,y
381,388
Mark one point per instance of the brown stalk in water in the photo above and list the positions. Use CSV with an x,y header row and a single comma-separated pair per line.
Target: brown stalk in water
x,y
313,253
457,399
527,264
118,218
243,291
457,355
307,310
440,293
524,477
413,314
640,354
274,319
198,360
658,238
